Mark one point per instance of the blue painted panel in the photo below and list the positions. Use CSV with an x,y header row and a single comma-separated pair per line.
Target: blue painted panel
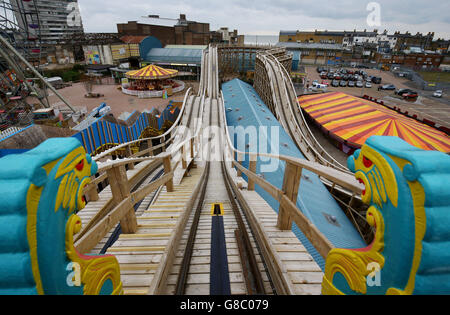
x,y
245,108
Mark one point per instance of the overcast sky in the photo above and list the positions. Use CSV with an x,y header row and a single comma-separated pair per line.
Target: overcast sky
x,y
268,17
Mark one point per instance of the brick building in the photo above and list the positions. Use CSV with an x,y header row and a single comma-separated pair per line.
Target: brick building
x,y
408,40
183,33
317,37
411,60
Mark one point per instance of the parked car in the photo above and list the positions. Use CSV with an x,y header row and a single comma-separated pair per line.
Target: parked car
x,y
337,76
330,76
317,86
438,93
403,91
359,84
343,83
335,83
389,87
376,80
410,94
368,84
351,83
407,93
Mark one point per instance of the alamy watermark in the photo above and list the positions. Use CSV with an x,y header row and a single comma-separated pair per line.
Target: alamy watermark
x,y
260,144
74,16
374,277
74,277
374,17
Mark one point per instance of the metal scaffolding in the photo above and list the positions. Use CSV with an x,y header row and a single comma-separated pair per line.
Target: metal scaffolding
x,y
22,86
20,25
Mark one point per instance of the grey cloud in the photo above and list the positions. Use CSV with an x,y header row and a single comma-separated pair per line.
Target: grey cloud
x,y
265,15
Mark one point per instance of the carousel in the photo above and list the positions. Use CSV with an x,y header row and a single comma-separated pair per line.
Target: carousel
x,y
152,81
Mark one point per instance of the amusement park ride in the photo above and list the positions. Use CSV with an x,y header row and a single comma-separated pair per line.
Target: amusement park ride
x,y
188,212
21,52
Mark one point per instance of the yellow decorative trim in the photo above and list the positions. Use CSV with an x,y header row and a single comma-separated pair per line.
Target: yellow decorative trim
x,y
95,271
418,196
379,171
33,197
353,264
70,193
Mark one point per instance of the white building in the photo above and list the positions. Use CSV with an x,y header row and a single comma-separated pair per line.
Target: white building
x,y
48,20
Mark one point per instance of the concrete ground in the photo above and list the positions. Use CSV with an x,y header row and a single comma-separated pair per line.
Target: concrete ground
x,y
425,106
114,98
328,145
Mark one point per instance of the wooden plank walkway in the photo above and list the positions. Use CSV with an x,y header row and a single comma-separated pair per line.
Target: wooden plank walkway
x,y
105,196
301,273
140,210
144,255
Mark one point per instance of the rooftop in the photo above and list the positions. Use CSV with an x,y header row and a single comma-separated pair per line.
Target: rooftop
x,y
310,46
131,39
201,47
175,55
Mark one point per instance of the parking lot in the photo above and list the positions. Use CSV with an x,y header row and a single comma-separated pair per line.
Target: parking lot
x,y
425,105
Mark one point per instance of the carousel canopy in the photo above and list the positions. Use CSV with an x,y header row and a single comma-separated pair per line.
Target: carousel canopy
x,y
152,72
355,120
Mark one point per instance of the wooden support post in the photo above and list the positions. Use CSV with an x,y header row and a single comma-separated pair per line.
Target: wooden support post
x,y
120,189
252,168
167,169
128,155
183,157
239,160
163,140
291,184
150,147
192,148
92,193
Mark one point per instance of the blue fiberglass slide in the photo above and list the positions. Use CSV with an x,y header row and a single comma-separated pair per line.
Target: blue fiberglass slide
x,y
245,108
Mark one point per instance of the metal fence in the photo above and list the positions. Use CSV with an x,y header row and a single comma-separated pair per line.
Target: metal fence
x,y
412,75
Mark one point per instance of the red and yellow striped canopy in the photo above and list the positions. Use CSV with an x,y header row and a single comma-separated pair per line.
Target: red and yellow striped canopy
x,y
355,120
152,72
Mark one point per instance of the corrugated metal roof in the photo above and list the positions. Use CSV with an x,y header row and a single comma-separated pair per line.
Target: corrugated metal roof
x,y
175,55
245,108
201,47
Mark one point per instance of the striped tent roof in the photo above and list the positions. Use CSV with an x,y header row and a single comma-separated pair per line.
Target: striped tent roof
x,y
151,72
354,120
